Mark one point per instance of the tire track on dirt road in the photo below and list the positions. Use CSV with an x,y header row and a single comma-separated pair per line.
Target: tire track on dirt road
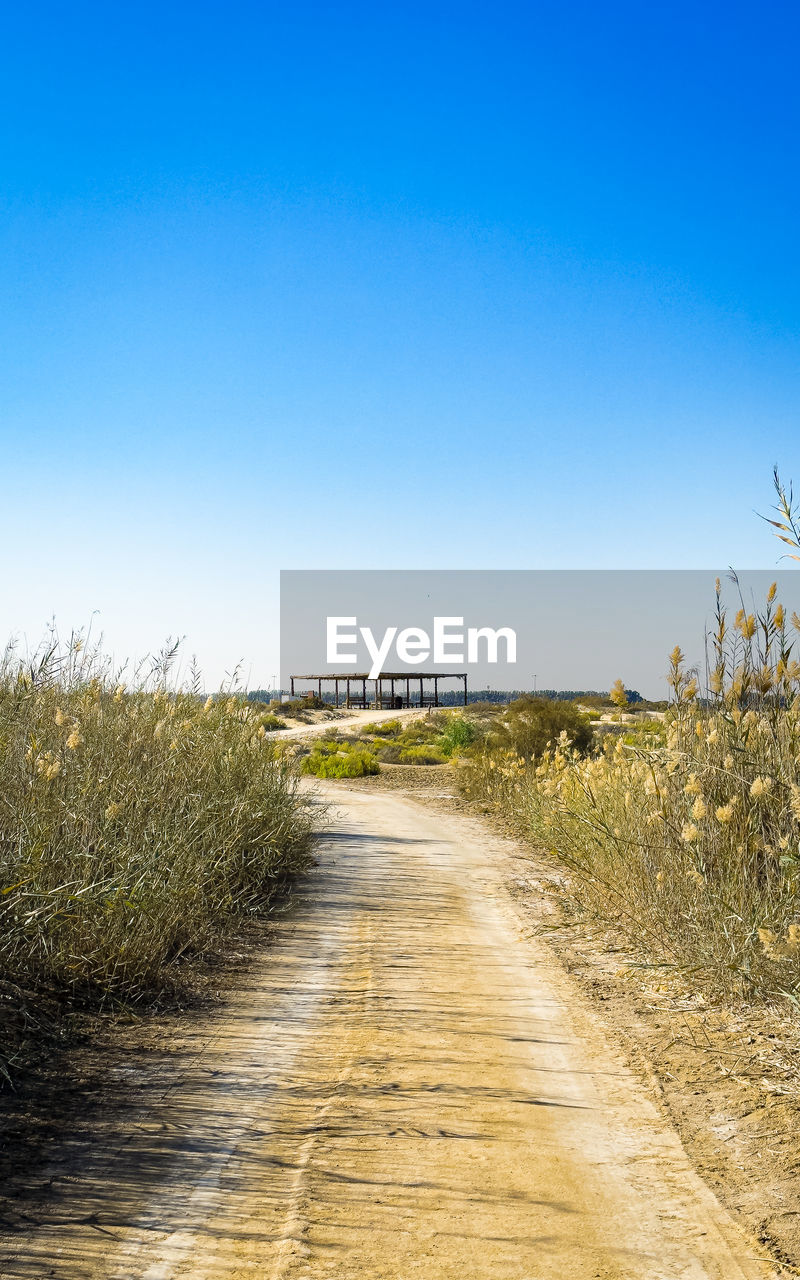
x,y
404,1085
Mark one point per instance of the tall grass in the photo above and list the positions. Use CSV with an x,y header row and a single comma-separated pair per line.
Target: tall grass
x,y
691,849
134,822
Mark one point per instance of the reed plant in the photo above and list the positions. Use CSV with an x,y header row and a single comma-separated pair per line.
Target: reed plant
x,y
690,847
135,822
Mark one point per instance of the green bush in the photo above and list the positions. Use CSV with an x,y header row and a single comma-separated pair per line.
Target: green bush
x,y
333,759
457,735
387,728
531,724
431,739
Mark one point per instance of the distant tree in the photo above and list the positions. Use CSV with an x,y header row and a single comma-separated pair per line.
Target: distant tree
x,y
618,694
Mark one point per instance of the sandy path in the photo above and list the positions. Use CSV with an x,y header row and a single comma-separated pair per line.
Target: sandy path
x,y
357,720
406,1087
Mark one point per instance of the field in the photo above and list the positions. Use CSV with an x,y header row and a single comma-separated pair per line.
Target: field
x,y
135,823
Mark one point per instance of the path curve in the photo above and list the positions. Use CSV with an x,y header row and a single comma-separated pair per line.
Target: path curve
x,y
357,720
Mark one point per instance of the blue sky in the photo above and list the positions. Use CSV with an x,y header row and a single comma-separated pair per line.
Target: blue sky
x,y
352,286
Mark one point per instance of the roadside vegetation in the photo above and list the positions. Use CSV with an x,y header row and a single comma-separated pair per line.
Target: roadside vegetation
x,y
430,740
297,709
529,726
135,823
522,729
269,722
332,758
683,834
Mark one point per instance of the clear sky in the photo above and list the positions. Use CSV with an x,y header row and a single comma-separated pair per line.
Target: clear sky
x,y
358,286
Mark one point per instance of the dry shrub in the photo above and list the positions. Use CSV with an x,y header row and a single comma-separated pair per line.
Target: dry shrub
x,y
133,824
691,849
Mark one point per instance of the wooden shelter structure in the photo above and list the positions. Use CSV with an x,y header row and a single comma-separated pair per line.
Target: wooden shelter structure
x,y
391,690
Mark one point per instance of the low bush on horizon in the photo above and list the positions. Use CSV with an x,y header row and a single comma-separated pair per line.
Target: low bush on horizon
x,y
296,708
133,823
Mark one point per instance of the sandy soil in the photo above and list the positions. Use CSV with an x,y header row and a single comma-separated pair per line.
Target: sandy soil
x,y
406,1084
329,721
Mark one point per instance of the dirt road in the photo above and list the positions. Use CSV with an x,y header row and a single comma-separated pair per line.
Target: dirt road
x,y
356,720
406,1086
